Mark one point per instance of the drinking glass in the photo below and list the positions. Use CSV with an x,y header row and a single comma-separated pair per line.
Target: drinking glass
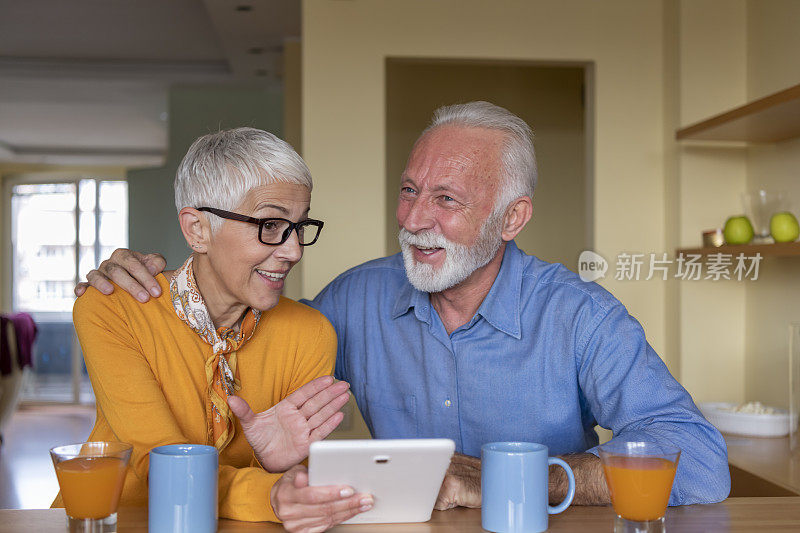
x,y
639,477
759,206
90,476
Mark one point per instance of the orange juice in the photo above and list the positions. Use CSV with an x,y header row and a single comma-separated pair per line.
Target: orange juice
x,y
91,486
639,486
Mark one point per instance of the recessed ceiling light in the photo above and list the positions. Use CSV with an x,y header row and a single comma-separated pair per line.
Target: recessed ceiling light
x,y
244,8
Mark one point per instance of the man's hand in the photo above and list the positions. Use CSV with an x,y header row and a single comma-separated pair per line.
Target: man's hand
x,y
590,482
462,484
281,435
134,272
314,509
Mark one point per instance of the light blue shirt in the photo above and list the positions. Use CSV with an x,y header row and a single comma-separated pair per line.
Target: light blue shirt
x,y
546,358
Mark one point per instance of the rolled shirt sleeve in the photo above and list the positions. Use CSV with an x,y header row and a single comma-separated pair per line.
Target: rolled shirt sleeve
x,y
630,391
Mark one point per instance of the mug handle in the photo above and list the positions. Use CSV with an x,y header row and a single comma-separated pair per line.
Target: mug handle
x,y
561,507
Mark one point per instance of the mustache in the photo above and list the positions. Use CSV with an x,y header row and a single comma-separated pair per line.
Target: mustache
x,y
425,239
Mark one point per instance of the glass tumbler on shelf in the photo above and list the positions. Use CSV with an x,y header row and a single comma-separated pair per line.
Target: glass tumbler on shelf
x,y
639,477
759,206
91,476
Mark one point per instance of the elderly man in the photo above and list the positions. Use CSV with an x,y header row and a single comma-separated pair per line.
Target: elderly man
x,y
465,336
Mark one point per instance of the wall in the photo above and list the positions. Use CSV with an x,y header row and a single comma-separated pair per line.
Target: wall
x,y
345,46
712,51
193,112
547,97
772,303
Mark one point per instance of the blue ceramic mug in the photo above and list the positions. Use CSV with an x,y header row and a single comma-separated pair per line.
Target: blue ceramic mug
x,y
183,489
514,487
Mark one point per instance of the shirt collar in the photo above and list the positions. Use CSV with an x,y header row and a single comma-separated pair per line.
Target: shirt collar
x,y
410,297
500,307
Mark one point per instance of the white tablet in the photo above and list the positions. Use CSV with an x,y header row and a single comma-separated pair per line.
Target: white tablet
x,y
403,475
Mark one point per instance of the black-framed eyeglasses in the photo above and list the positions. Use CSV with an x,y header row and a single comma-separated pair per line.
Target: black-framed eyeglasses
x,y
275,231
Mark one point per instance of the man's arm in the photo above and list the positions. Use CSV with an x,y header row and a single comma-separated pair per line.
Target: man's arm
x,y
134,272
462,483
629,390
590,482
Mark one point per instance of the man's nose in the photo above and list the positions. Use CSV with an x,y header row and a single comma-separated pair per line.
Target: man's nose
x,y
418,216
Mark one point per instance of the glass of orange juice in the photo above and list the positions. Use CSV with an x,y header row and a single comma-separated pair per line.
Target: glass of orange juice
x,y
90,476
639,477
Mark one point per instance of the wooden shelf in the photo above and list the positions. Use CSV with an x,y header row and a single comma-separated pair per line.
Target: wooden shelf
x,y
781,249
773,118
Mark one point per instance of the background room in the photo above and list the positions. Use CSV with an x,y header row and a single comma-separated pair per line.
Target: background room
x,y
100,100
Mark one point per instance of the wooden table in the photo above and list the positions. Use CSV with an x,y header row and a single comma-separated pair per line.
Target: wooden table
x,y
763,466
734,514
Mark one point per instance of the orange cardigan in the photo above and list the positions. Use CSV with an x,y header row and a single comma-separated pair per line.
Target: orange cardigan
x,y
147,371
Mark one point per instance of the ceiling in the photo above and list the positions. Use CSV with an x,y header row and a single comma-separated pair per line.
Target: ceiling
x,y
86,81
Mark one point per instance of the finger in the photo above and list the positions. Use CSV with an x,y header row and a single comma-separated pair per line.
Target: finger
x,y
302,394
327,427
328,410
241,409
122,277
99,281
443,505
344,506
323,398
80,288
134,263
346,514
300,477
319,495
155,263
321,518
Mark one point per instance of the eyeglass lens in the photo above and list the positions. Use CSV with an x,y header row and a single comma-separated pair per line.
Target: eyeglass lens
x,y
272,232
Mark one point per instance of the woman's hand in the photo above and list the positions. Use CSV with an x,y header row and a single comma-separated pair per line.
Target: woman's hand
x,y
314,509
281,435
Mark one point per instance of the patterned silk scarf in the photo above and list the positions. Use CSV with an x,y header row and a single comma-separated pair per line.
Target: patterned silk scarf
x,y
221,366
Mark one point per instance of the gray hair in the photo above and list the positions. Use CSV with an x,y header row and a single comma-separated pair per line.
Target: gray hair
x,y
519,158
220,168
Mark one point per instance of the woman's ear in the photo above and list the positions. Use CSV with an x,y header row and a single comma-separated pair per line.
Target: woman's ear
x,y
196,229
517,216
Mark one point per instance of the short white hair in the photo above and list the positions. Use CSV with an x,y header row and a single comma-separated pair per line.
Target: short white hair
x,y
519,158
220,168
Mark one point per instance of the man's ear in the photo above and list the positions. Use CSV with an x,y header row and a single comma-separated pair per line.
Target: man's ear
x,y
196,229
517,215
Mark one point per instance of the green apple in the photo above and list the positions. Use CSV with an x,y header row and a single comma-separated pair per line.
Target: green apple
x,y
738,230
783,227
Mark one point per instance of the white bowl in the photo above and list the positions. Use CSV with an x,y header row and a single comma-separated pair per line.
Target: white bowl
x,y
747,424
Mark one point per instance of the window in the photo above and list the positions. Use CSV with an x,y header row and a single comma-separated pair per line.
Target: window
x,y
60,230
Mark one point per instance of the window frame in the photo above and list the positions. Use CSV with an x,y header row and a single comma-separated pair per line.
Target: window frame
x,y
7,278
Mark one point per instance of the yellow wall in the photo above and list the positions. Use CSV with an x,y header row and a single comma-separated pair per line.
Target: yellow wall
x,y
711,70
547,96
772,303
345,45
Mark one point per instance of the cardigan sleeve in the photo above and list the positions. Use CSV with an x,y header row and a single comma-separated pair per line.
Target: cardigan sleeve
x,y
131,399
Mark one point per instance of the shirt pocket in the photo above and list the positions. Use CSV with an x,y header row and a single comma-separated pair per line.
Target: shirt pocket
x,y
393,417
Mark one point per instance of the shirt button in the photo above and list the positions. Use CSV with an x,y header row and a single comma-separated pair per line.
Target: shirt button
x,y
447,403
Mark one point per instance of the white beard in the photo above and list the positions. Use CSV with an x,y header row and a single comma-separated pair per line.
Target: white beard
x,y
460,260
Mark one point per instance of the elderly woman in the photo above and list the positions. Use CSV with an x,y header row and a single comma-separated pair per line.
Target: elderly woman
x,y
187,367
